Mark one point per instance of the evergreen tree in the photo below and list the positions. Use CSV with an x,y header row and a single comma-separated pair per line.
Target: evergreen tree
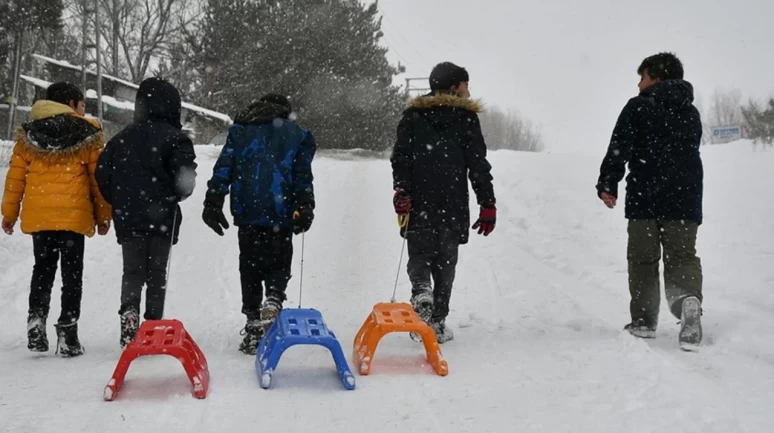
x,y
17,17
324,54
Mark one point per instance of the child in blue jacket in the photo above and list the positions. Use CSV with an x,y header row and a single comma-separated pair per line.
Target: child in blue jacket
x,y
266,166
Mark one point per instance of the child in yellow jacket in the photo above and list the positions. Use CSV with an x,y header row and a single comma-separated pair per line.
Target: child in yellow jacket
x,y
51,184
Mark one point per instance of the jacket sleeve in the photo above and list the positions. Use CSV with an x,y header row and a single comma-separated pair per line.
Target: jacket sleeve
x,y
102,210
104,173
479,169
222,174
182,164
15,181
303,187
619,152
402,158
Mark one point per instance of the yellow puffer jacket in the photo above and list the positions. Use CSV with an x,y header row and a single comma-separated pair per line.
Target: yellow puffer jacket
x,y
51,178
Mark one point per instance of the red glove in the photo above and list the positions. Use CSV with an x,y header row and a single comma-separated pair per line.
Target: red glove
x,y
486,219
402,202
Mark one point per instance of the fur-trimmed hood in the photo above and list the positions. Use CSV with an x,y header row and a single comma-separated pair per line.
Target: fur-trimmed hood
x,y
57,130
444,109
437,100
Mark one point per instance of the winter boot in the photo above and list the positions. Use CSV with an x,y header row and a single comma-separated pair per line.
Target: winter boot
x,y
37,340
67,344
130,323
422,303
690,324
269,312
442,333
640,329
252,332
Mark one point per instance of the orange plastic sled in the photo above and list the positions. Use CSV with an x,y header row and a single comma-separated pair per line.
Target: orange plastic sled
x,y
395,317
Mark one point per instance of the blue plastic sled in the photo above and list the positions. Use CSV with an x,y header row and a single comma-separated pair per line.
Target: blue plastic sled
x,y
298,326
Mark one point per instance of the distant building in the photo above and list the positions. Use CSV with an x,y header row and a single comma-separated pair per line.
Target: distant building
x,y
117,100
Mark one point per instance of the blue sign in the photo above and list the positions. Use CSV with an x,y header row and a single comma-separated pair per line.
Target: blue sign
x,y
734,131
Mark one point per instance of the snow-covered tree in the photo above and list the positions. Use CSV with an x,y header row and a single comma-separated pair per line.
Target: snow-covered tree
x,y
17,18
508,130
324,54
759,122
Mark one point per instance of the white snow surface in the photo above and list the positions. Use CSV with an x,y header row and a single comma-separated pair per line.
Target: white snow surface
x,y
538,310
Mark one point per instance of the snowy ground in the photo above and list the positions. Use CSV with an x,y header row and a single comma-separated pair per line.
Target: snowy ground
x,y
538,310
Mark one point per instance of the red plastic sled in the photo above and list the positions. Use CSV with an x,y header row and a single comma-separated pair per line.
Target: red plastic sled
x,y
163,337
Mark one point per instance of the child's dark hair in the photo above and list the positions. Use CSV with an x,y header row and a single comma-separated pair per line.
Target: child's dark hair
x,y
446,75
63,93
665,66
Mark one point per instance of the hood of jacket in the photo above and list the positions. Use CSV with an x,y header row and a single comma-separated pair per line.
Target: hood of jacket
x,y
262,112
157,99
442,109
670,93
55,129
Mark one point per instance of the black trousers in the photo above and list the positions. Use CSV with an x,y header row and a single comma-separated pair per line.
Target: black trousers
x,y
49,247
265,258
433,254
145,264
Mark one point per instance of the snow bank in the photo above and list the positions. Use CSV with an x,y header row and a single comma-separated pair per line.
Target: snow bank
x,y
538,310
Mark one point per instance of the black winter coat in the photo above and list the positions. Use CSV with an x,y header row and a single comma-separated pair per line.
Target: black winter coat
x,y
659,134
148,167
438,148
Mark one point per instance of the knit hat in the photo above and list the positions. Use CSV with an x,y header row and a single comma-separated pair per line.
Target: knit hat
x,y
278,99
447,74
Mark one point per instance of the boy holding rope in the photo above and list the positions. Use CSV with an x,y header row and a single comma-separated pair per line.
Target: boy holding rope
x,y
266,166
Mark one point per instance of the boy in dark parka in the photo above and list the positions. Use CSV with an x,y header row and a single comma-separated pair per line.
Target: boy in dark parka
x,y
659,134
146,170
439,147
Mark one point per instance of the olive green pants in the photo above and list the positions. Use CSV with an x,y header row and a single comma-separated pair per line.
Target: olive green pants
x,y
682,268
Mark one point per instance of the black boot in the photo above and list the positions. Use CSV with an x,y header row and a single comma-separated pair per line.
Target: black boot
x,y
67,344
422,302
442,333
641,328
253,332
269,312
37,340
130,322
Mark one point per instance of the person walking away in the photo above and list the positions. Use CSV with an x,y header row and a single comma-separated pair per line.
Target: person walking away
x,y
659,134
146,170
439,147
266,166
51,184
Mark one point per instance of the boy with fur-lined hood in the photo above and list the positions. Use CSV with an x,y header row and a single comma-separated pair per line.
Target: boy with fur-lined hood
x,y
439,147
51,184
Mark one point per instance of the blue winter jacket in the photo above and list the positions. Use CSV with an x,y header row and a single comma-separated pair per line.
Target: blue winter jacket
x,y
266,166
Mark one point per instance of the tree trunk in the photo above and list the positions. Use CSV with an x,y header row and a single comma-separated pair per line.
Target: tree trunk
x,y
15,90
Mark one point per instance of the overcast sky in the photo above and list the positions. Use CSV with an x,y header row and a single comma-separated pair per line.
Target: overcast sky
x,y
570,65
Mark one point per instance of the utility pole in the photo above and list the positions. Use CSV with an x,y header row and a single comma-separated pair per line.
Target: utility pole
x,y
418,89
84,43
99,63
15,89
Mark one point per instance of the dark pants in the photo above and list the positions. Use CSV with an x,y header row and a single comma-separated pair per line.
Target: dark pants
x,y
265,257
433,254
49,247
682,268
145,263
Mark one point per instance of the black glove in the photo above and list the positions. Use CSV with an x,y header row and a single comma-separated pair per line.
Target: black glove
x,y
212,215
302,219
